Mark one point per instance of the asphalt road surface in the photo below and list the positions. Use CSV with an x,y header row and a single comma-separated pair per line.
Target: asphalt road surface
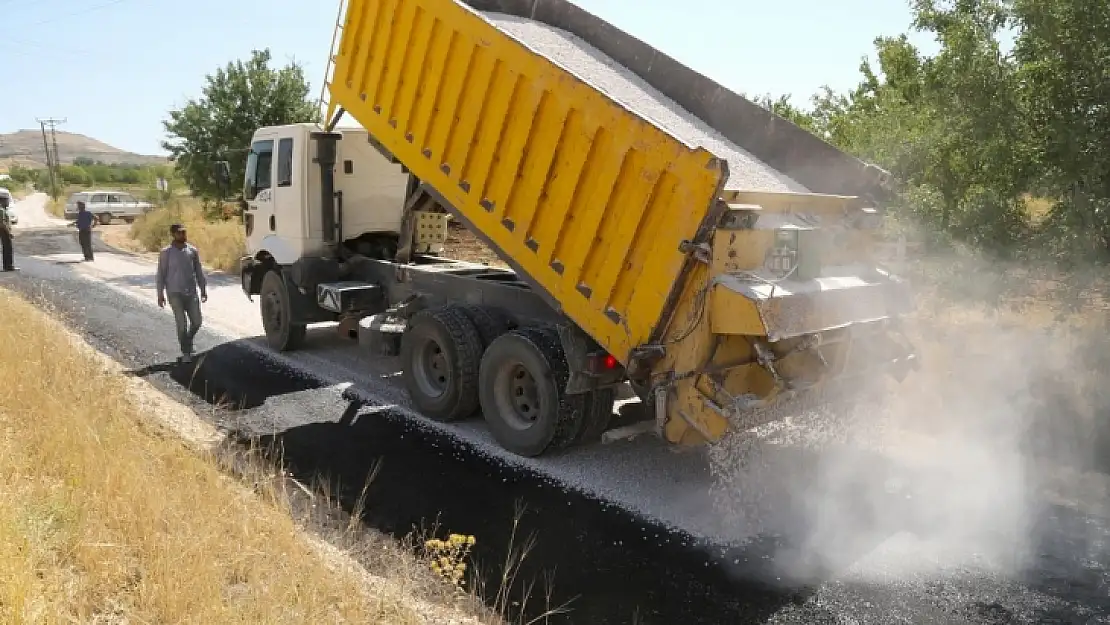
x,y
632,530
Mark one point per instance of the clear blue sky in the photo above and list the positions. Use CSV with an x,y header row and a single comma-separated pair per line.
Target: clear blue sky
x,y
113,68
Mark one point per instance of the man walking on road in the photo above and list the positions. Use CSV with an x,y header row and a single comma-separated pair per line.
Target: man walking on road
x,y
6,233
85,223
179,275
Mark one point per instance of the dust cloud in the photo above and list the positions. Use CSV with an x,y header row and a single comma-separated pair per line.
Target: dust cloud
x,y
954,468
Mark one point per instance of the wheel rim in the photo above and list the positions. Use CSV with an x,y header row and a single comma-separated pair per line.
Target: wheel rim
x,y
518,396
271,312
432,368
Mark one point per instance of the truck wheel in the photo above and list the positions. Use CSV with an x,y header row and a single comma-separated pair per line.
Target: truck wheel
x,y
277,313
441,352
598,410
104,219
522,381
490,322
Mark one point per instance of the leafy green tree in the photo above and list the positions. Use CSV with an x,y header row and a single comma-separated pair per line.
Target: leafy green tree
x,y
1063,49
237,100
72,174
953,126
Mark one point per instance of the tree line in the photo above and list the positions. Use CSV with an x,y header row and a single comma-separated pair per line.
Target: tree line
x,y
1005,150
89,172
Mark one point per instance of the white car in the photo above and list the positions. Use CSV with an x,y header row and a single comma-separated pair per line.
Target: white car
x,y
107,205
11,202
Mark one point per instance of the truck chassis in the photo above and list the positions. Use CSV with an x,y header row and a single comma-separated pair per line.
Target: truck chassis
x,y
471,338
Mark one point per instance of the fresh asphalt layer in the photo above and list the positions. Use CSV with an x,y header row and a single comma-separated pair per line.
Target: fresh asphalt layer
x,y
616,555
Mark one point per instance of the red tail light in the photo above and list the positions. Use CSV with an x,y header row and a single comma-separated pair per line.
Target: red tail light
x,y
600,364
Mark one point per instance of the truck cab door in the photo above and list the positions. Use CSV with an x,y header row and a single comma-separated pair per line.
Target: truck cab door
x,y
259,219
287,191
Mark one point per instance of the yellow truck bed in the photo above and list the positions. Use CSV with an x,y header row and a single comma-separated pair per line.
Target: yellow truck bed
x,y
590,186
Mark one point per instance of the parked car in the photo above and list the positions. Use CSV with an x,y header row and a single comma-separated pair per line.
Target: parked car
x,y
11,202
70,210
107,205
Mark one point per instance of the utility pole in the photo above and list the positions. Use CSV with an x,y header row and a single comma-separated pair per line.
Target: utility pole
x,y
49,161
54,163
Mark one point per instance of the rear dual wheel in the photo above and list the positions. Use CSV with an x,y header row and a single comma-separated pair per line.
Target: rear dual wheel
x,y
441,352
522,385
458,358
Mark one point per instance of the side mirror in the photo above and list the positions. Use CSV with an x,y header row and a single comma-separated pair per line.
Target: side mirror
x,y
221,172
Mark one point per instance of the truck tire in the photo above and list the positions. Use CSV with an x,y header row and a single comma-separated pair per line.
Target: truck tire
x,y
104,219
490,322
276,310
521,385
441,353
598,413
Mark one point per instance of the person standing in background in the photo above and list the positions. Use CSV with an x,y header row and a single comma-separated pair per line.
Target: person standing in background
x,y
6,233
179,275
85,223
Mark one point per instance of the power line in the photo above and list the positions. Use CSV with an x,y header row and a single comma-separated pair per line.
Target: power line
x,y
55,18
62,16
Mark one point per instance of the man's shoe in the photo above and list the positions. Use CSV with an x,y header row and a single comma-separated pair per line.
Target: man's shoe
x,y
11,268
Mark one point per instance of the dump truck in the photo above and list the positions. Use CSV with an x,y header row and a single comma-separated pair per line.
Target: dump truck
x,y
658,229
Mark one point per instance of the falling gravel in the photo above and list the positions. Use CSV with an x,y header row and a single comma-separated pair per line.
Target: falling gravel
x,y
746,172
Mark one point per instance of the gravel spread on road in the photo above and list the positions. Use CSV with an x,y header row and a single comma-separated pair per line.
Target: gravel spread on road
x,y
746,172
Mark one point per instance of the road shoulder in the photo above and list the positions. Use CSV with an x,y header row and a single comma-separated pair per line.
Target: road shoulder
x,y
157,417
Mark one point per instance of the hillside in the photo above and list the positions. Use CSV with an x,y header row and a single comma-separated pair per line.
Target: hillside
x,y
24,147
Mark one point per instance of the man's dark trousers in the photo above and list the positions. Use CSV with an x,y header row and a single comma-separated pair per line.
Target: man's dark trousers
x,y
6,243
85,237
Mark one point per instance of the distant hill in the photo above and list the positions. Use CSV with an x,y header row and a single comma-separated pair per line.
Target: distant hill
x,y
24,147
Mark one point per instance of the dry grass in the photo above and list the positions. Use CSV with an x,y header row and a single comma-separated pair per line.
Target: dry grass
x,y
221,243
57,207
1037,209
107,519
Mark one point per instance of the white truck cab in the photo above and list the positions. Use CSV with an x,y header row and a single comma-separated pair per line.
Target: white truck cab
x,y
316,206
283,191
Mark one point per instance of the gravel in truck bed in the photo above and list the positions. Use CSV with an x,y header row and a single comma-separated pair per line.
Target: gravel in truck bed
x,y
618,82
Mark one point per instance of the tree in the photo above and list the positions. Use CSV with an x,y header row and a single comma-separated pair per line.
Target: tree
x,y
1064,51
237,100
952,126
